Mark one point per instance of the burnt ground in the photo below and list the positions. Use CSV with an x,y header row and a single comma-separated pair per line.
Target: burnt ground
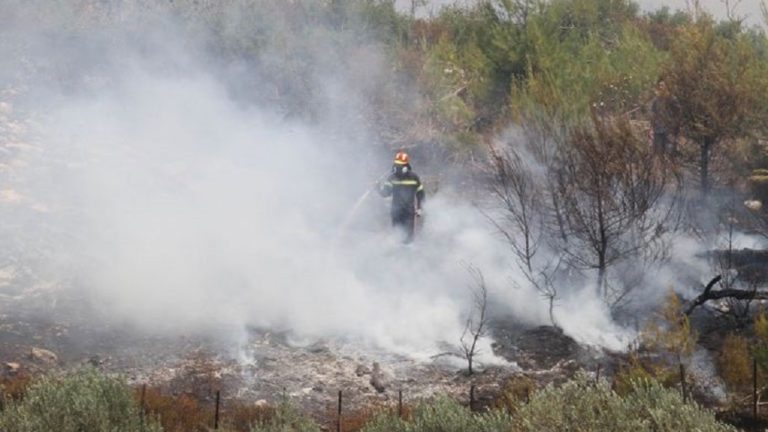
x,y
43,330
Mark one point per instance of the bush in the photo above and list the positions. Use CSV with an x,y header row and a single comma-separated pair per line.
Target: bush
x,y
176,413
579,405
242,416
356,420
14,386
639,368
82,401
582,405
735,363
662,409
286,418
442,415
515,392
90,401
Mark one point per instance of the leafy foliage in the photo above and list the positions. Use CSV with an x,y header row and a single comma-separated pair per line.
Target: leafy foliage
x,y
515,392
286,418
580,404
760,343
83,401
718,81
735,363
176,413
641,368
89,400
586,54
587,406
442,415
670,331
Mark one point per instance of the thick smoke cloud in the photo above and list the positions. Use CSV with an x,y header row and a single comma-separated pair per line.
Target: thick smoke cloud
x,y
176,188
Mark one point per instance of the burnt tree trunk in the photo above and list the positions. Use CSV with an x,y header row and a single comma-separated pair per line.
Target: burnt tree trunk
x,y
738,294
705,157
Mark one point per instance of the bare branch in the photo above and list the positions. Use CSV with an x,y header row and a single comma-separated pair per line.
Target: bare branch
x,y
706,295
764,11
613,192
730,9
519,190
477,320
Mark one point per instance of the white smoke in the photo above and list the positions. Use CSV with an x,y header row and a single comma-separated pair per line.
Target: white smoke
x,y
178,206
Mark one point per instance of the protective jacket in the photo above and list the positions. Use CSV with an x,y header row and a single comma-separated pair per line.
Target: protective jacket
x,y
407,193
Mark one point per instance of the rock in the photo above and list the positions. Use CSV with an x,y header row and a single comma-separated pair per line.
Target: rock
x,y
753,205
261,403
378,384
377,378
361,370
12,368
318,348
567,367
43,355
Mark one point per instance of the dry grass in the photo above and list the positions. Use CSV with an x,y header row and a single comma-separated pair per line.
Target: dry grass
x,y
242,416
517,390
15,386
735,363
177,413
200,376
185,413
356,420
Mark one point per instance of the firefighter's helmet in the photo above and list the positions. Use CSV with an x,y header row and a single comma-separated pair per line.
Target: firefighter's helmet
x,y
401,158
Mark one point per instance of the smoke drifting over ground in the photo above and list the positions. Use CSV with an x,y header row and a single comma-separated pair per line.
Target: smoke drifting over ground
x,y
167,185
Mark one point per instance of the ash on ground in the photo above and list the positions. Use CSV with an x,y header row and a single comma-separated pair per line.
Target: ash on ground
x,y
44,330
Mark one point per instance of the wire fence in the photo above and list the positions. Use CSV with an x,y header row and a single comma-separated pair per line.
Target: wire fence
x,y
685,393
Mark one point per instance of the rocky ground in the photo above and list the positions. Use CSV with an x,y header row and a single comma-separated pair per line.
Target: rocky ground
x,y
42,329
46,325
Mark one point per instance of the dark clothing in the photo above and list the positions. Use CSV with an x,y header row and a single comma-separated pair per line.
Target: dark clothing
x,y
661,141
407,223
664,123
407,193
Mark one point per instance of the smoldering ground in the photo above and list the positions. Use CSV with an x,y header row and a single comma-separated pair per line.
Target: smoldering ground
x,y
184,189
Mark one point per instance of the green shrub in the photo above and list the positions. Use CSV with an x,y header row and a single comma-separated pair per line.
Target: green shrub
x,y
662,409
83,401
582,405
644,368
577,405
442,415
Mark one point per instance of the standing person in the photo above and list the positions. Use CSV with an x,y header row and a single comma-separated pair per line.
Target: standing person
x,y
407,193
664,120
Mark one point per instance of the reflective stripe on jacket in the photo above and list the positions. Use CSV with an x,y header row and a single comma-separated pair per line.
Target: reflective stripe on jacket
x,y
406,190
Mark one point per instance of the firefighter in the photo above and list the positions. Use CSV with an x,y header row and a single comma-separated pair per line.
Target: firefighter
x,y
407,193
664,113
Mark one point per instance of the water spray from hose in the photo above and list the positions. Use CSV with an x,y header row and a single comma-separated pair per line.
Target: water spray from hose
x,y
351,215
